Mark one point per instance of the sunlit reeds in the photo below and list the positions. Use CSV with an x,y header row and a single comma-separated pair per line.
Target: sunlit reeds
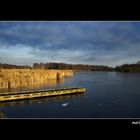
x,y
18,78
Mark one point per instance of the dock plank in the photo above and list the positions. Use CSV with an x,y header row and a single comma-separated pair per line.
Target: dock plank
x,y
40,93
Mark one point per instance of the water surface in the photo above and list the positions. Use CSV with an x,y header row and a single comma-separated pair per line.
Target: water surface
x,y
108,95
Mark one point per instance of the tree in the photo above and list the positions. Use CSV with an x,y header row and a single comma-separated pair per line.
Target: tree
x,y
138,62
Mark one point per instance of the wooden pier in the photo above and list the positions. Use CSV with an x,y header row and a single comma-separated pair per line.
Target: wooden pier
x,y
39,93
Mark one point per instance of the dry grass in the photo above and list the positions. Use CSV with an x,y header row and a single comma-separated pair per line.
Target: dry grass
x,y
17,78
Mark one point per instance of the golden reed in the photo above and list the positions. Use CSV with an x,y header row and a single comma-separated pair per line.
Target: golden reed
x,y
17,78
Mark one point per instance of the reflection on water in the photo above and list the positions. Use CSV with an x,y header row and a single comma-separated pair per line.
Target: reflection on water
x,y
2,115
40,100
49,84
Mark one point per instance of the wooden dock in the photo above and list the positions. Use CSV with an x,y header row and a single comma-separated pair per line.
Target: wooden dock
x,y
39,93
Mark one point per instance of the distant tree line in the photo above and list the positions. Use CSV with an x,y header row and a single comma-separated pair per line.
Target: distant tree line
x,y
77,67
10,66
129,67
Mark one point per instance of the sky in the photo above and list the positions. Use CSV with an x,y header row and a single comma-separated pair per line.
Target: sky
x,y
79,42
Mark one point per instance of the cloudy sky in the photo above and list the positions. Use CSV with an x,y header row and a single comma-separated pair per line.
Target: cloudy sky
x,y
102,43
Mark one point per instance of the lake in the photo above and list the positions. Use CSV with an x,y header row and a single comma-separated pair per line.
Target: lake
x,y
108,95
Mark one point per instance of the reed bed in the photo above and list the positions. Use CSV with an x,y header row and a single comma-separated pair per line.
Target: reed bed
x,y
18,78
